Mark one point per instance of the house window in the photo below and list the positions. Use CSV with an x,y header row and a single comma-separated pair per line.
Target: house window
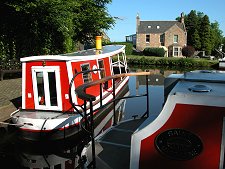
x,y
86,76
147,38
175,39
176,51
162,39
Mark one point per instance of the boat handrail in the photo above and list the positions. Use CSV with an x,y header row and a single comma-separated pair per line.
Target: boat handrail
x,y
80,90
70,89
81,93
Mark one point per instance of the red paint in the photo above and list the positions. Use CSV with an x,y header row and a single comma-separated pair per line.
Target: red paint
x,y
29,102
95,90
204,121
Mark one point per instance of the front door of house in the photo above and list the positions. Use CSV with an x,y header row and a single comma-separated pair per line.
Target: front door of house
x,y
47,88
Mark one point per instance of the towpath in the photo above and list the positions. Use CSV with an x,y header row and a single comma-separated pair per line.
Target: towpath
x,y
10,97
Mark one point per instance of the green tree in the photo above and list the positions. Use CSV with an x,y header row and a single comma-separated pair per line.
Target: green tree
x,y
192,25
201,34
50,26
216,36
205,35
196,41
223,44
91,18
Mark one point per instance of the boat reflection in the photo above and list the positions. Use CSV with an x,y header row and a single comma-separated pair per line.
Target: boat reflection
x,y
65,154
64,158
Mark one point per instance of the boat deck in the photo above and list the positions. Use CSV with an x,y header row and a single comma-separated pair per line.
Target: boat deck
x,y
35,114
113,148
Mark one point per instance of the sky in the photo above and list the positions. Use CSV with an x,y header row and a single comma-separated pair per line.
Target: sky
x,y
159,10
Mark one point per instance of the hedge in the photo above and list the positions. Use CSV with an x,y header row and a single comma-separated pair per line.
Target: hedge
x,y
154,52
171,62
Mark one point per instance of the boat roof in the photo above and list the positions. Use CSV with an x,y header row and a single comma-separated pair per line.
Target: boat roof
x,y
90,54
205,75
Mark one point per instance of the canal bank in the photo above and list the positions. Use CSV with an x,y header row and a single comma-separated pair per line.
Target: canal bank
x,y
188,63
10,98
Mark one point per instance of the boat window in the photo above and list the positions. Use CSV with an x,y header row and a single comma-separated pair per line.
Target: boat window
x,y
40,88
101,66
86,76
52,88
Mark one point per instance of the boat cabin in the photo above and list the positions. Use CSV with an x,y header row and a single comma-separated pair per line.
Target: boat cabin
x,y
46,79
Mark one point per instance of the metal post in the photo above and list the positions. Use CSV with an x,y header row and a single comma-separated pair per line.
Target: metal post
x,y
114,103
85,115
100,94
64,132
147,95
92,135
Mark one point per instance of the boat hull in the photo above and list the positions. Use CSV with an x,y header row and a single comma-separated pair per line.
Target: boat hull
x,y
47,126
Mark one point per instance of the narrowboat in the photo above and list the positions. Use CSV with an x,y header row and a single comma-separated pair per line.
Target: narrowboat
x,y
189,132
50,106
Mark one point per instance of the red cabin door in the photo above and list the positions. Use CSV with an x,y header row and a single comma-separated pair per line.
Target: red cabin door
x,y
47,88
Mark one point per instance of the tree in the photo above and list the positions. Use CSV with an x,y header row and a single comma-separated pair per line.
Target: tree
x,y
192,25
196,41
90,19
201,34
205,35
188,51
216,36
50,26
223,44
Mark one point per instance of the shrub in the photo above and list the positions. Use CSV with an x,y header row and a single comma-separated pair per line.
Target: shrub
x,y
170,62
154,52
188,51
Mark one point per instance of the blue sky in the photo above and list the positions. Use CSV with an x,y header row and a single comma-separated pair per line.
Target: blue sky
x,y
159,10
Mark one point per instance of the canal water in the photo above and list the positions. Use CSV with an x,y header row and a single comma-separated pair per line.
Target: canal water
x,y
17,154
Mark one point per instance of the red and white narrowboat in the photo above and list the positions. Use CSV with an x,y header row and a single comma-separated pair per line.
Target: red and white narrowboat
x,y
48,89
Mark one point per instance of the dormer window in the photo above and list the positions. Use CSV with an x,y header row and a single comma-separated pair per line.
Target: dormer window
x,y
149,26
157,27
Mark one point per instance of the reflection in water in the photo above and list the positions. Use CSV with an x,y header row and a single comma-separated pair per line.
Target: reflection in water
x,y
16,154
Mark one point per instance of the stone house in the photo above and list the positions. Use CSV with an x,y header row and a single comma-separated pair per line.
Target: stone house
x,y
170,35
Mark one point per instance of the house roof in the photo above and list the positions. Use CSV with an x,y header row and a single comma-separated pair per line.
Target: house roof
x,y
157,26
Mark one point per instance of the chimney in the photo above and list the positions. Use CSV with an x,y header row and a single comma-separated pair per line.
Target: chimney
x,y
98,41
182,17
137,22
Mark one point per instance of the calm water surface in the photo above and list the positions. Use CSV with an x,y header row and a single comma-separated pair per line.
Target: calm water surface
x,y
15,154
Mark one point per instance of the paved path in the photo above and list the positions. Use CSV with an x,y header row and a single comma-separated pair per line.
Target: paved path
x,y
10,97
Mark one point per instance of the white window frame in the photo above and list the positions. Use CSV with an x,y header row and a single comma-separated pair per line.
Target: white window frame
x,y
177,39
45,70
178,49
